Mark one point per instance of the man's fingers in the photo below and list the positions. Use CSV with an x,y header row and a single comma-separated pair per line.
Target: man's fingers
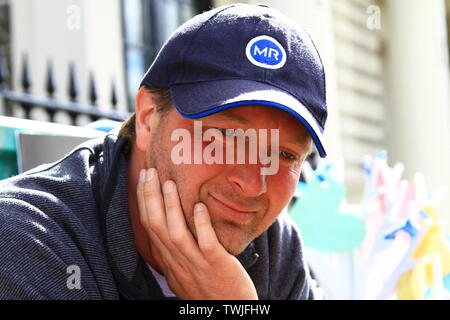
x,y
152,213
154,203
145,215
206,236
178,230
157,211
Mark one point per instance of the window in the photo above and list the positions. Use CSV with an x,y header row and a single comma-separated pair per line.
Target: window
x,y
147,24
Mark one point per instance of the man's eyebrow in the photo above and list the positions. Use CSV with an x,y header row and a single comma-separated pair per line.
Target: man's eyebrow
x,y
232,116
308,147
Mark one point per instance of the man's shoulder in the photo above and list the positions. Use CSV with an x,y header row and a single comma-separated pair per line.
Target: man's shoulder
x,y
69,166
48,223
281,270
50,186
284,236
58,194
70,172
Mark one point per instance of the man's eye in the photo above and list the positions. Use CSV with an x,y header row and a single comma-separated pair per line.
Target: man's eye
x,y
226,132
287,155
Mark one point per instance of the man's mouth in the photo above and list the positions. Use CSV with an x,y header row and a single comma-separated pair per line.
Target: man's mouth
x,y
233,211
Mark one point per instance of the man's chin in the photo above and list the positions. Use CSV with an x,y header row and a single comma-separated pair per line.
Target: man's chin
x,y
236,251
231,237
233,243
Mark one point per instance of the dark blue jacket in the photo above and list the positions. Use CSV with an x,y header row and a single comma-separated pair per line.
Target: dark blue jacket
x,y
74,214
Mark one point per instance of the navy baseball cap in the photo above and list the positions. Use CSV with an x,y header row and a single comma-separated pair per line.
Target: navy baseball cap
x,y
239,55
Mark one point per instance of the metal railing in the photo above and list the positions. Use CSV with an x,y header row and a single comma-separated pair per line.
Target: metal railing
x,y
50,104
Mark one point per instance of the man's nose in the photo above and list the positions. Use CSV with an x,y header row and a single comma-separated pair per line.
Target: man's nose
x,y
248,179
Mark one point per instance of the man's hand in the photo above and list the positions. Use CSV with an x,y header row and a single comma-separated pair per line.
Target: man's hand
x,y
200,269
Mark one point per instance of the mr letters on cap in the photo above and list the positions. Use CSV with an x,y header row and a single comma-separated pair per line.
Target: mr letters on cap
x,y
266,52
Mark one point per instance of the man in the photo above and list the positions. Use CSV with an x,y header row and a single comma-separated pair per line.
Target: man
x,y
167,209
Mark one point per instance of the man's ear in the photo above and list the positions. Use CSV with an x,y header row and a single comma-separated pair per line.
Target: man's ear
x,y
145,118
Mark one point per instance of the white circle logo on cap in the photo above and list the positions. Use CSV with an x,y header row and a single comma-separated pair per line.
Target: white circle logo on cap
x,y
266,52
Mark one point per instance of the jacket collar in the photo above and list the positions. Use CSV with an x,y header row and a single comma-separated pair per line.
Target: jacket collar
x,y
119,231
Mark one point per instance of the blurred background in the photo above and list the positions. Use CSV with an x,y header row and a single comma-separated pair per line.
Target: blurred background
x,y
72,62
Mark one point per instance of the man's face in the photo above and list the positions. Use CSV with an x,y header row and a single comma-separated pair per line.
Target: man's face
x,y
242,203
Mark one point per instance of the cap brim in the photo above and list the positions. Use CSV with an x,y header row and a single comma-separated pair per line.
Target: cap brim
x,y
205,98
